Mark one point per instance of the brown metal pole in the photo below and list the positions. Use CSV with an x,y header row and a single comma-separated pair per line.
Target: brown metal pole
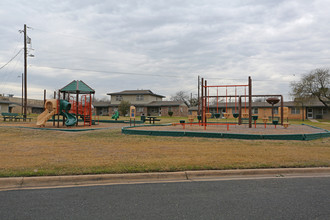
x,y
250,102
58,115
205,92
202,99
63,121
198,98
77,106
90,109
282,110
54,115
44,97
239,110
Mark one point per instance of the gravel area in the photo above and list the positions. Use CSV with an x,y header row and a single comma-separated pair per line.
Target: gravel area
x,y
80,125
238,129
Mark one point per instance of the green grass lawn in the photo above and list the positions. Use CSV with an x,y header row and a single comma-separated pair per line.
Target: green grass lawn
x,y
27,152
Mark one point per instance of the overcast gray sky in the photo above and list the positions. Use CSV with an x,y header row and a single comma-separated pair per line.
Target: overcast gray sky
x,y
163,45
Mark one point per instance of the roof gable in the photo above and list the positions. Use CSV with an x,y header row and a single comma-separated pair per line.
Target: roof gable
x,y
77,86
136,92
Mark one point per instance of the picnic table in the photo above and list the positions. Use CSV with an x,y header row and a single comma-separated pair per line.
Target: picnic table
x,y
152,119
12,116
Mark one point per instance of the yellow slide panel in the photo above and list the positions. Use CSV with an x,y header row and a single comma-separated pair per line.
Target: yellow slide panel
x,y
50,110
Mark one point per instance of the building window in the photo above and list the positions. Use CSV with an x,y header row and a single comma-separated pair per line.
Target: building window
x,y
295,110
324,111
254,110
139,97
119,98
275,111
139,109
169,108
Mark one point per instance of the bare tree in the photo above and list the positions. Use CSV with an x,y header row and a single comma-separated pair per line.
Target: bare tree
x,y
315,84
181,96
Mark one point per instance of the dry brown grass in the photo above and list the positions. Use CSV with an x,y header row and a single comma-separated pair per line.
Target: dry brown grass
x,y
26,152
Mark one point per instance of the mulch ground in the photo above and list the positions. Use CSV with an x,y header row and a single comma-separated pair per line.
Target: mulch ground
x,y
61,126
238,129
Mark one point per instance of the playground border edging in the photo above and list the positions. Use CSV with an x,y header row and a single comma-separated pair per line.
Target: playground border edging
x,y
57,129
300,137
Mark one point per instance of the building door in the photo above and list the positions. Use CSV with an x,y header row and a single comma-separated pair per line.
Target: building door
x,y
309,113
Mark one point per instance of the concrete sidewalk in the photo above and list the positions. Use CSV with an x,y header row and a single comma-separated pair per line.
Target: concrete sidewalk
x,y
106,179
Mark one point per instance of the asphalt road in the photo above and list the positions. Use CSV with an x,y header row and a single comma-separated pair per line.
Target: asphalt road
x,y
279,198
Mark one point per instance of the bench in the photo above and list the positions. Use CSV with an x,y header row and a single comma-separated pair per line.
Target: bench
x,y
152,119
12,116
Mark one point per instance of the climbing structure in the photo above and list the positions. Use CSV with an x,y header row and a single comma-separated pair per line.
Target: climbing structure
x,y
204,103
79,94
242,111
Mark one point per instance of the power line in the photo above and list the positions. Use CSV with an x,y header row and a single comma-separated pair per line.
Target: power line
x,y
115,72
12,58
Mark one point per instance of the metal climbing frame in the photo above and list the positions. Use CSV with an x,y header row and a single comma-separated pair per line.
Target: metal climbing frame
x,y
205,96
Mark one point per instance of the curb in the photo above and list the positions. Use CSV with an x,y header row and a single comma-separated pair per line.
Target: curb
x,y
79,180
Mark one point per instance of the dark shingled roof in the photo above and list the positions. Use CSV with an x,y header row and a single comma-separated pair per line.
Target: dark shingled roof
x,y
164,103
6,102
77,86
101,104
135,92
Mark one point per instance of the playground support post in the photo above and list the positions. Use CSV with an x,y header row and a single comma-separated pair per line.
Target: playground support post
x,y
282,110
45,97
250,102
240,110
77,106
58,109
205,92
198,97
202,99
54,115
91,113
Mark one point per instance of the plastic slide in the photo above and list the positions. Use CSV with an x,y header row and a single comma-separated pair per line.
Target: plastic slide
x,y
43,117
50,110
71,119
116,115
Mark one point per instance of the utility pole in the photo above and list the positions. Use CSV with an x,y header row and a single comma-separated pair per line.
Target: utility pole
x,y
27,40
22,93
25,74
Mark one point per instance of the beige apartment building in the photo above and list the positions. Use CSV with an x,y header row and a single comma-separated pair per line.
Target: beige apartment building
x,y
147,103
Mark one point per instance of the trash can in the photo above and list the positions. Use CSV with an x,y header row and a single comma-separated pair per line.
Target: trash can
x,y
143,118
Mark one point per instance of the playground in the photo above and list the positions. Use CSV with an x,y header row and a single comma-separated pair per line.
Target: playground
x,y
215,119
71,109
45,146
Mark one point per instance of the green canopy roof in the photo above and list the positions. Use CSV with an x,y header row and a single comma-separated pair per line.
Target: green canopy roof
x,y
77,86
